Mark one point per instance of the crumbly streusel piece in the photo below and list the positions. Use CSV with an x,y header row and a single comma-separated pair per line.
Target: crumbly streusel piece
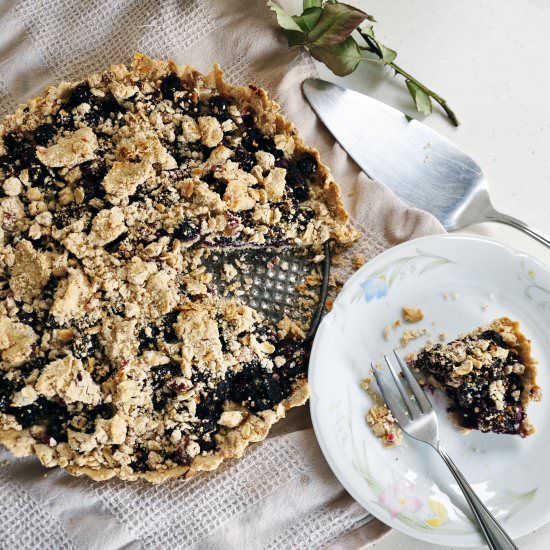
x,y
412,314
488,375
117,356
380,419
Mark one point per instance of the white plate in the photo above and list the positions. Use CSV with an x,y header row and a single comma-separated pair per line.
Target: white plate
x,y
460,282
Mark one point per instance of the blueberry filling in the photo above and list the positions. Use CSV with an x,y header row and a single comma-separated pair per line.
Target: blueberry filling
x,y
162,389
7,387
38,363
93,173
261,390
44,133
80,94
219,106
298,177
148,338
20,151
245,159
254,140
186,231
140,457
64,119
42,411
28,318
169,85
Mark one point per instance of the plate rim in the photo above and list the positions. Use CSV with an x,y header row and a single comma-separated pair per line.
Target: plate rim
x,y
459,540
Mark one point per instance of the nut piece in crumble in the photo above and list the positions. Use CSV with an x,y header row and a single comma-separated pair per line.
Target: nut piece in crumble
x,y
118,358
488,375
380,419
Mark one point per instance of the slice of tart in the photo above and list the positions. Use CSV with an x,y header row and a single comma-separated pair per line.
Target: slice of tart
x,y
488,375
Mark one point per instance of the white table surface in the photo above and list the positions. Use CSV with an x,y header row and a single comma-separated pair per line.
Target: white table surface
x,y
489,60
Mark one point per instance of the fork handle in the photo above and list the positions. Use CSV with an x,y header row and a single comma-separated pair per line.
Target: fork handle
x,y
499,217
496,537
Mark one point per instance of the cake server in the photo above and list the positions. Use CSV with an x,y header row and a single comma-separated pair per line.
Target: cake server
x,y
422,167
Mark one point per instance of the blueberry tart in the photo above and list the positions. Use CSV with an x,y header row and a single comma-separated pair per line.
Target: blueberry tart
x,y
118,356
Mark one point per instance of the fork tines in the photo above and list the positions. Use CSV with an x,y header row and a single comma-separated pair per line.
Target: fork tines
x,y
414,402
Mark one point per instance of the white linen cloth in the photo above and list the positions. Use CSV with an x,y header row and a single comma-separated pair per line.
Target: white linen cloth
x,y
281,494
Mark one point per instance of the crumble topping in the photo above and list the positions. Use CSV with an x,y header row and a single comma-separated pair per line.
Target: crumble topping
x,y
488,375
67,379
70,150
211,132
30,271
107,226
121,352
16,342
12,187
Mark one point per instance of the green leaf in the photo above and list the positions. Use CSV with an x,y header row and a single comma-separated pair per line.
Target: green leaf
x,y
308,19
369,31
341,59
421,99
295,38
372,45
336,23
312,4
284,19
386,54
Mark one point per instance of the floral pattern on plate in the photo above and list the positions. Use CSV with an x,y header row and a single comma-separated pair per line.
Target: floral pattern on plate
x,y
378,283
533,290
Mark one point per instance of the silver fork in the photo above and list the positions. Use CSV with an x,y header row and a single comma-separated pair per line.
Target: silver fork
x,y
417,418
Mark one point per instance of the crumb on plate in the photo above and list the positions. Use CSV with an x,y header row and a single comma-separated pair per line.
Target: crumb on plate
x,y
410,335
412,314
380,419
